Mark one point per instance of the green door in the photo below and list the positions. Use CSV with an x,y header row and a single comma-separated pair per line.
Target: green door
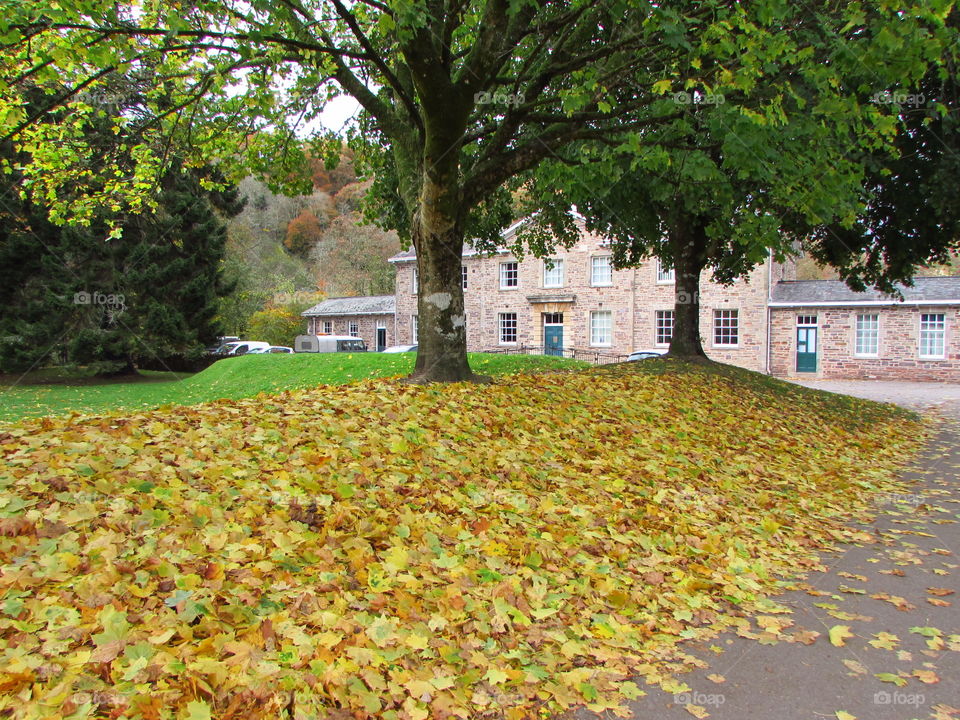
x,y
806,349
553,340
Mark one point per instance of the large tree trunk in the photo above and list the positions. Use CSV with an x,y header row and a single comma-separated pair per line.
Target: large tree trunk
x,y
688,245
438,232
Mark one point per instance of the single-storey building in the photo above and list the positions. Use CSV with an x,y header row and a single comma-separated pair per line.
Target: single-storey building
x,y
372,318
821,328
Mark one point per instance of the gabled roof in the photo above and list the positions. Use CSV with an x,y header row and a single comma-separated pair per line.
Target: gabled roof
x,y
925,291
367,305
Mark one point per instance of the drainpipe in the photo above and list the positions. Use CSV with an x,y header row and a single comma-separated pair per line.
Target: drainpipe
x,y
769,318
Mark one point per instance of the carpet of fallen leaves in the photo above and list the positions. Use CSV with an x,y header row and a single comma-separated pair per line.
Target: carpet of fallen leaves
x,y
383,550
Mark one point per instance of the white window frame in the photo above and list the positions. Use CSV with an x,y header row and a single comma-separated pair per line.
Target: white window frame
x,y
597,338
353,328
328,327
595,266
665,276
934,329
505,275
504,321
863,332
659,317
463,277
553,276
721,322
414,330
415,284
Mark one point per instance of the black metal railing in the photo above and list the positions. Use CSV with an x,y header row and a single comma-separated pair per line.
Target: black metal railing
x,y
591,356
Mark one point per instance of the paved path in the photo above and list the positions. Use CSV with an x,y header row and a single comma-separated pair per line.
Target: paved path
x,y
941,397
916,547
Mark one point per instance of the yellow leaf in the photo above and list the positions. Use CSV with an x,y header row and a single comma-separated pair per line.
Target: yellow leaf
x,y
839,634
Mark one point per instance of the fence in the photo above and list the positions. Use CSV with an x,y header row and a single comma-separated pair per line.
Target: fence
x,y
590,356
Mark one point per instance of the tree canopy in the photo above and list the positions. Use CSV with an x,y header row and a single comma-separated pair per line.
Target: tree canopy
x,y
461,100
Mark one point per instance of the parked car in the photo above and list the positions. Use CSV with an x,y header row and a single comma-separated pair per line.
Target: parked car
x,y
400,348
271,350
645,355
239,347
328,344
221,341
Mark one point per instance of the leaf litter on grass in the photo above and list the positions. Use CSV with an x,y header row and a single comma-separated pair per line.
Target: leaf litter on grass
x,y
393,551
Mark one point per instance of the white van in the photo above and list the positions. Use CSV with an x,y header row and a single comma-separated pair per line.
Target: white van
x,y
328,344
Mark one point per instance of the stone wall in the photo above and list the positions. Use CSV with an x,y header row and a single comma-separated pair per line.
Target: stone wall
x,y
898,356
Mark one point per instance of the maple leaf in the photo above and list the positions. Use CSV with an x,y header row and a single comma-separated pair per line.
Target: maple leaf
x,y
839,635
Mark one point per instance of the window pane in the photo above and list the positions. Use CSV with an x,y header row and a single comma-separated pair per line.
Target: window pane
x,y
664,327
354,330
508,327
328,327
600,271
553,273
665,274
416,281
508,275
601,327
933,330
868,334
463,276
415,329
726,327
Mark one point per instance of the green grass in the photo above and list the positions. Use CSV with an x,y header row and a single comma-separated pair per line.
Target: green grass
x,y
232,378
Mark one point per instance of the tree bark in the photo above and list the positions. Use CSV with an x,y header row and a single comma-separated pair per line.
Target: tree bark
x,y
437,231
688,245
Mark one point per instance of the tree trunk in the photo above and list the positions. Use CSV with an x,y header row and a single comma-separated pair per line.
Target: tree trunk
x,y
437,231
688,244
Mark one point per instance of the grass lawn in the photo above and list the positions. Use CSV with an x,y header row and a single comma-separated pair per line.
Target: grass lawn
x,y
404,552
232,378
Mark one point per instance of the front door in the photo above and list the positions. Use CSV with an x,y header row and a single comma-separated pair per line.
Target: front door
x,y
381,339
806,349
553,334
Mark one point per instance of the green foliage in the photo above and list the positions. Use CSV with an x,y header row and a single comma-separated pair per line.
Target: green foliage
x,y
276,325
147,296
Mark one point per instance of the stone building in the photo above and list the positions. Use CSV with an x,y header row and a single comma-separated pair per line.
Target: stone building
x,y
821,328
372,318
576,303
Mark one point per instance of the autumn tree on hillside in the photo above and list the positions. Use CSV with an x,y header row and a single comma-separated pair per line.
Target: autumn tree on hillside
x,y
303,232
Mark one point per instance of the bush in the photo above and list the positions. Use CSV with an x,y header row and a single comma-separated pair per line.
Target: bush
x,y
275,325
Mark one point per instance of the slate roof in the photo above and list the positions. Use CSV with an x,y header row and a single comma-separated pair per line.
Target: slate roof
x,y
468,249
926,290
368,305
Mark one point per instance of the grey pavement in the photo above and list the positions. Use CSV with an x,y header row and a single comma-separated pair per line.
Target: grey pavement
x,y
907,576
941,397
